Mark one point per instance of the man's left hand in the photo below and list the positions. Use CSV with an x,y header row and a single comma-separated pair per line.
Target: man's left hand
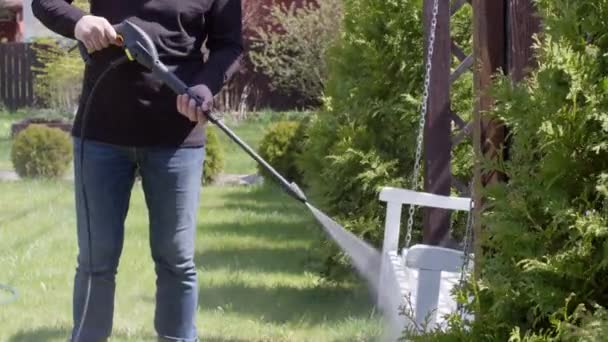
x,y
187,105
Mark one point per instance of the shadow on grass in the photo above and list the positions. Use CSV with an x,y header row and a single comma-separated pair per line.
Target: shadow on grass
x,y
266,198
31,209
265,201
40,334
288,260
16,216
61,334
224,339
287,237
272,231
287,234
44,334
287,304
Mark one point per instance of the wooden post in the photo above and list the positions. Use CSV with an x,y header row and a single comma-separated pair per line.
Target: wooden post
x,y
437,133
488,134
522,24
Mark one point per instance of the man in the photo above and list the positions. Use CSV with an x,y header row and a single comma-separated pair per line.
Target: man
x,y
136,123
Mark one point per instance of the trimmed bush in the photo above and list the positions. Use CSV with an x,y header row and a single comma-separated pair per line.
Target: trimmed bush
x,y
214,159
281,147
49,122
40,151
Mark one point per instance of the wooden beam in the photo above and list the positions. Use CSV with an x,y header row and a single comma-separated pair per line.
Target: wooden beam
x,y
437,133
457,51
456,6
489,42
461,69
463,134
522,24
461,187
457,120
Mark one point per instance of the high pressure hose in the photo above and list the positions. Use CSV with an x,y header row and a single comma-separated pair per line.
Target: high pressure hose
x,y
83,126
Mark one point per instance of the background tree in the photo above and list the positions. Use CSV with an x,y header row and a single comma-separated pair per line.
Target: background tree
x,y
290,48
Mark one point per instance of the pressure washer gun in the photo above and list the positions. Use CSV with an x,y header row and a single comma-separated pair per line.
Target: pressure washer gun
x,y
138,47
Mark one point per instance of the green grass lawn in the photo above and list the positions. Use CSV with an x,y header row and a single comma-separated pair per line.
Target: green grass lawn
x,y
253,257
251,131
237,161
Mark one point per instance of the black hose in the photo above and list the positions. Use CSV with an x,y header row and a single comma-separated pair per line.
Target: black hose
x,y
83,126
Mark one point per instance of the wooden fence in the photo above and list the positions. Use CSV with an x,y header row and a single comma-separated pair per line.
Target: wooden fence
x,y
17,61
16,75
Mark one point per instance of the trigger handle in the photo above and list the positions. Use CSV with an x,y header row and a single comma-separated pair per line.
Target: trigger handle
x,y
86,57
84,53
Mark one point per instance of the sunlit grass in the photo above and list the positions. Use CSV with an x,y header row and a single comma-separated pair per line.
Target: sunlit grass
x,y
253,257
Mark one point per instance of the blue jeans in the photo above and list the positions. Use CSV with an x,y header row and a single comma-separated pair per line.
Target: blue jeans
x,y
171,180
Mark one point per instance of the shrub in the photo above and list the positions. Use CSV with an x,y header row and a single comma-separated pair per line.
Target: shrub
x,y
40,151
49,122
365,136
545,261
291,49
271,116
282,146
548,241
58,81
214,158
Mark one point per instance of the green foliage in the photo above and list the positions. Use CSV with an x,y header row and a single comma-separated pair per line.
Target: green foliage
x,y
270,116
291,49
58,82
591,327
366,136
546,250
214,158
282,147
40,151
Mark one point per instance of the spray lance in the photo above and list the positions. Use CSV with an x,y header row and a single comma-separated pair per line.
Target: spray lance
x,y
139,48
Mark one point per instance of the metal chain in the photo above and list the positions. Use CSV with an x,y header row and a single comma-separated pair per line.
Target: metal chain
x,y
468,240
423,113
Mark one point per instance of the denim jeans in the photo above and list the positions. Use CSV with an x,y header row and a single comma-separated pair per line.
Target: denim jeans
x,y
171,180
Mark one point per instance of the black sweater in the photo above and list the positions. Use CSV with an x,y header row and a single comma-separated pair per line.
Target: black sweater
x,y
130,107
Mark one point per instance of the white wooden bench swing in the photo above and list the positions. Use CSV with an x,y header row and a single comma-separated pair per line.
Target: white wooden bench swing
x,y
420,279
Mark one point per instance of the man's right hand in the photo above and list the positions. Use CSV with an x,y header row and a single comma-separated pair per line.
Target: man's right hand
x,y
96,33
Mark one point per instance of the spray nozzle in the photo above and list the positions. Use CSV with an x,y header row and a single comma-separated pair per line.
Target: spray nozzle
x,y
297,193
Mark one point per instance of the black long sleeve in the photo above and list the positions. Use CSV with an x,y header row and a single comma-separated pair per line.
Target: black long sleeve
x,y
131,106
224,41
58,15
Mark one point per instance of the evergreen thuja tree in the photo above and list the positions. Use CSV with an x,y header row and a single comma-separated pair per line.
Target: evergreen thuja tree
x,y
365,136
546,262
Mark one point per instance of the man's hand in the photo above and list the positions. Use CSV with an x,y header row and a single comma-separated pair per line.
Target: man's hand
x,y
96,33
187,106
